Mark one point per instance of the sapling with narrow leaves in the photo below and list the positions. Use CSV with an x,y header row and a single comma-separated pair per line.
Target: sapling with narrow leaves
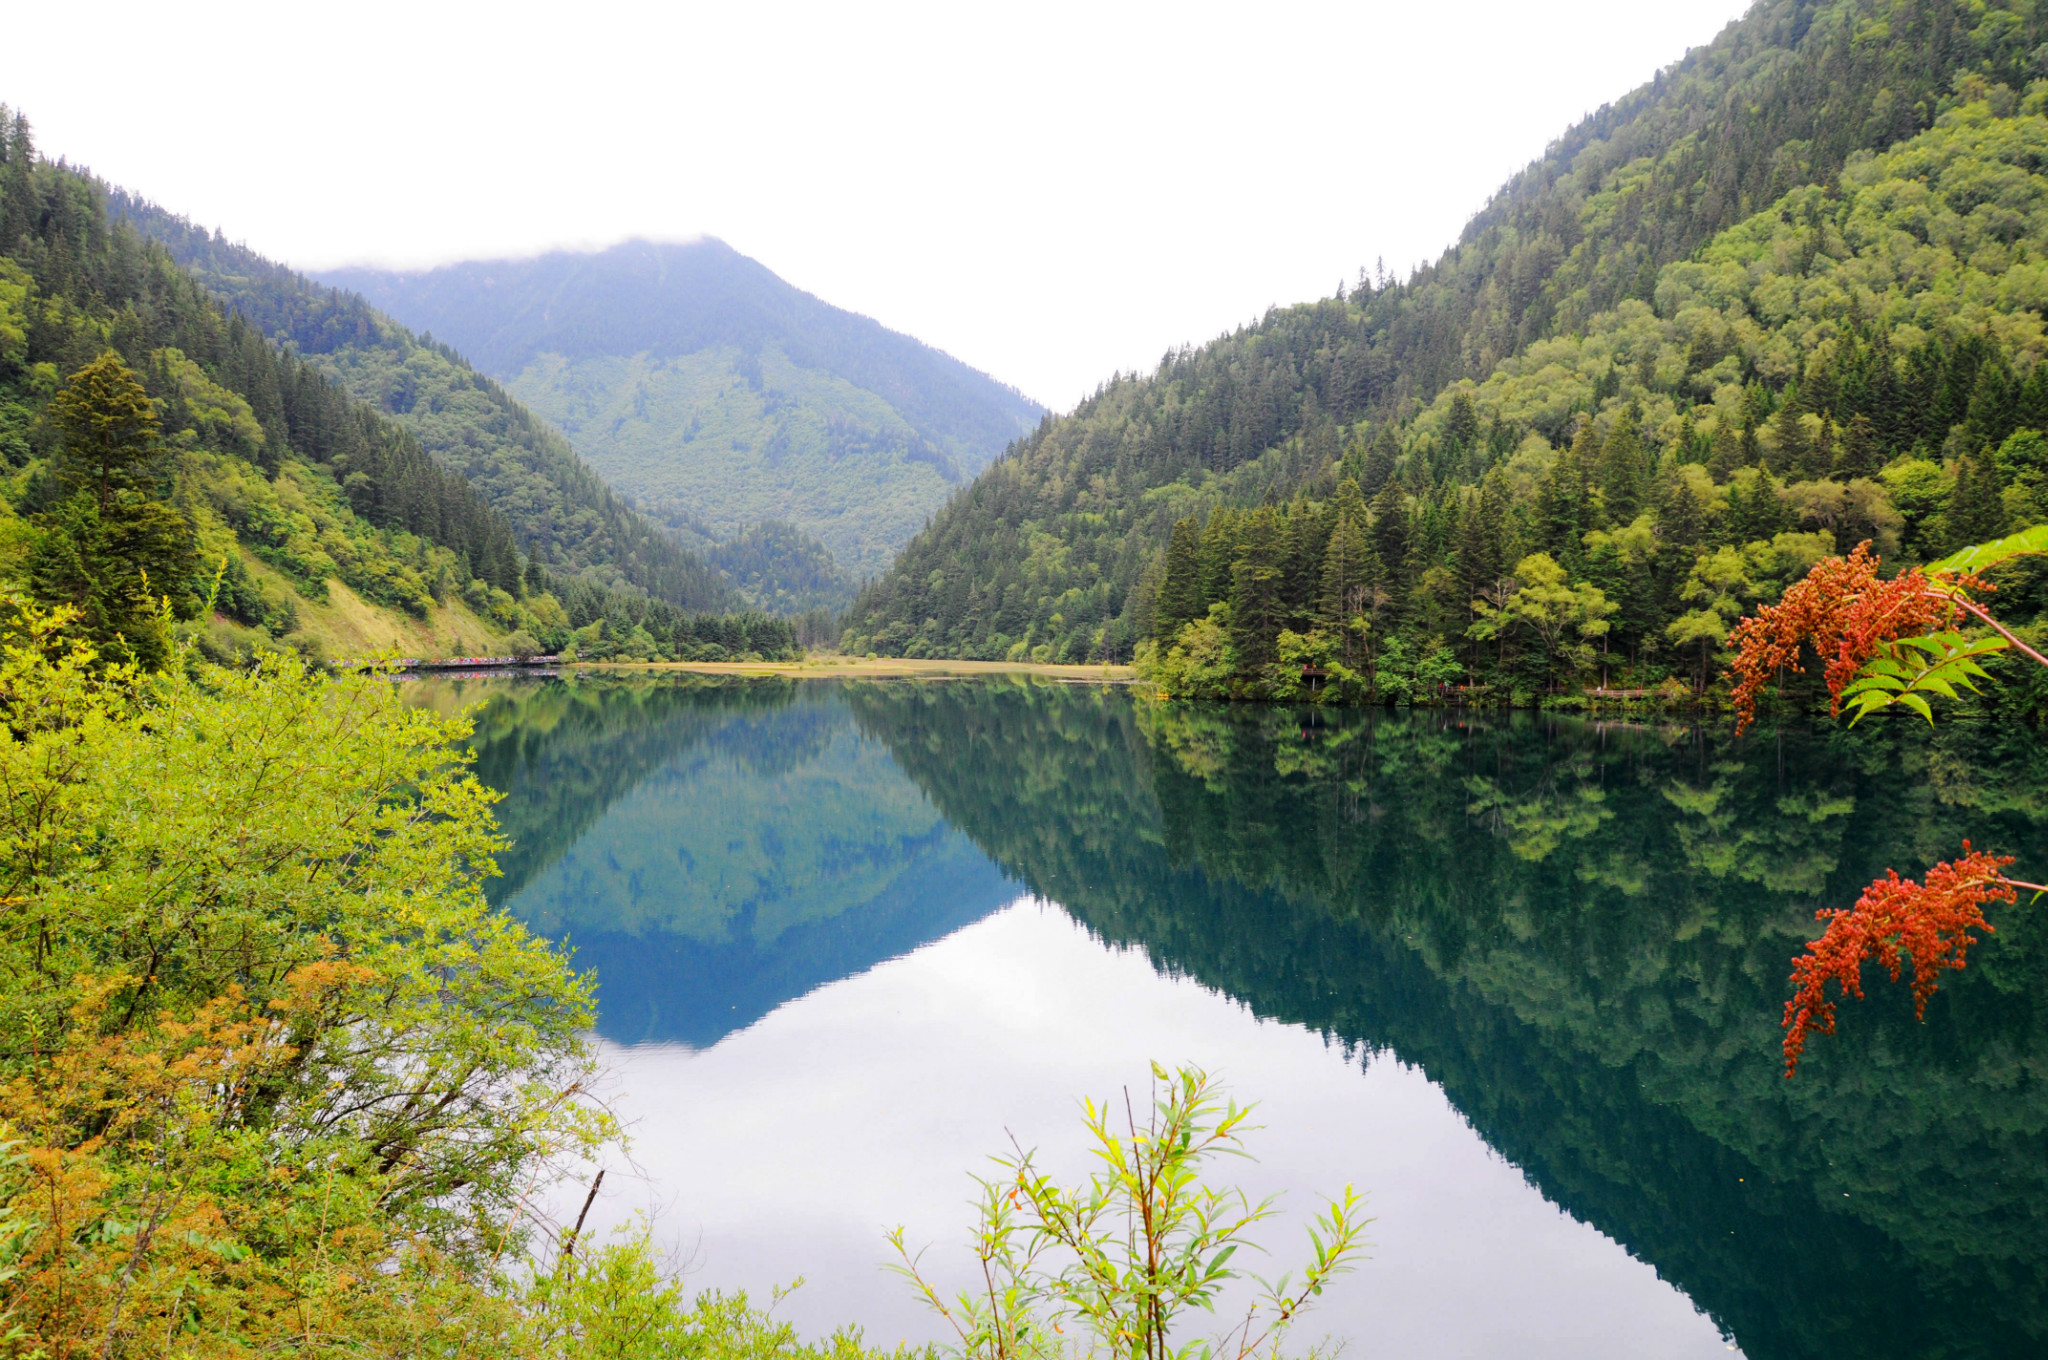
x,y
1112,1266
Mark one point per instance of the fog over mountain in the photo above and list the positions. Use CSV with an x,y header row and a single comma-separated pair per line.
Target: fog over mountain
x,y
717,395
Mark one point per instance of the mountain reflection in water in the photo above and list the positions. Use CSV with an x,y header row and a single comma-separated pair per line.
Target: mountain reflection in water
x,y
1579,933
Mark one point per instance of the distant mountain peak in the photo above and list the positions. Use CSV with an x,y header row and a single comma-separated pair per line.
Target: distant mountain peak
x,y
714,392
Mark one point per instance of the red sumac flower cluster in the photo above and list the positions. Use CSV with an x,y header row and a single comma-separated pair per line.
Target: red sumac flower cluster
x,y
1894,917
1846,613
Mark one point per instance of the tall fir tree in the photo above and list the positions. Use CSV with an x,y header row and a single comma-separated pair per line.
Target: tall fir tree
x,y
1257,609
1391,534
1180,589
1219,554
1624,470
113,549
1976,511
1379,463
1564,508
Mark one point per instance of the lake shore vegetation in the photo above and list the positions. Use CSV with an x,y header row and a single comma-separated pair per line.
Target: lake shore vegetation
x,y
1777,301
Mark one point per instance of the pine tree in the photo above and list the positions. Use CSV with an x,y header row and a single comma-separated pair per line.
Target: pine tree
x,y
1483,545
1563,500
1379,463
1219,555
111,549
1624,471
1681,528
109,429
1257,612
1180,590
1391,534
1976,511
1305,538
1856,453
1756,507
2030,409
1795,452
1461,426
1350,571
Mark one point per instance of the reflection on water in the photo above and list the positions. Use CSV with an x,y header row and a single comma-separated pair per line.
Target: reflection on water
x,y
713,851
1576,936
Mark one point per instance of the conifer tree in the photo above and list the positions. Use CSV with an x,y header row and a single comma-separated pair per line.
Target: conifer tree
x,y
1180,589
1257,611
1756,507
1856,452
1350,572
1681,527
1303,544
1390,539
1976,513
111,549
1564,509
1461,426
1795,452
1483,546
1379,463
1219,555
109,429
1624,473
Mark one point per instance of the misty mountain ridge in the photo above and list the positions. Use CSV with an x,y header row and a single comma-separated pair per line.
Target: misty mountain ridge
x,y
715,394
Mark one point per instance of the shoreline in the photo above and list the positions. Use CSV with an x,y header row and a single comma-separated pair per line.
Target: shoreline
x,y
883,668
850,668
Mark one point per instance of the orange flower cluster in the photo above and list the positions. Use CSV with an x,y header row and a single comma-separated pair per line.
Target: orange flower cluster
x,y
1845,612
1895,916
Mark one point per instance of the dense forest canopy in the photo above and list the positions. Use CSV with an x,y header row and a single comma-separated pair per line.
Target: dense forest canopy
x,y
562,513
1633,219
248,475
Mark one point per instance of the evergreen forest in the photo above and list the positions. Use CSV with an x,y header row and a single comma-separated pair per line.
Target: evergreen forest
x,y
1781,300
162,453
294,1046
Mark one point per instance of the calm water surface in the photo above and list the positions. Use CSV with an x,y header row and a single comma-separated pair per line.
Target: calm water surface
x,y
1517,979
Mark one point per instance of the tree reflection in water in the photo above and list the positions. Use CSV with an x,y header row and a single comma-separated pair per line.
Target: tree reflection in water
x,y
1581,931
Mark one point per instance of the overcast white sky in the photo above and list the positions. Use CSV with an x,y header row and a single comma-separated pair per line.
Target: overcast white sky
x,y
1048,191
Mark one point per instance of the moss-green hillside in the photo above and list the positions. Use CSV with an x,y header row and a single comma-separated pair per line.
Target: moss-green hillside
x,y
1057,548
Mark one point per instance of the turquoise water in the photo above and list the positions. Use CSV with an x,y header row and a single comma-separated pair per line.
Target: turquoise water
x,y
1516,978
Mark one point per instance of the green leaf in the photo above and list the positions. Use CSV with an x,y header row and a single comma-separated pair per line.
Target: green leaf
x,y
1980,556
1911,668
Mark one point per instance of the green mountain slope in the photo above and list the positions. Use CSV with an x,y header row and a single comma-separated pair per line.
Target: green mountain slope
x,y
325,523
562,513
717,395
1048,552
1857,362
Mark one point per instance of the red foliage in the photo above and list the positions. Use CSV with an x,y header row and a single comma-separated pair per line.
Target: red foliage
x,y
1894,916
1846,613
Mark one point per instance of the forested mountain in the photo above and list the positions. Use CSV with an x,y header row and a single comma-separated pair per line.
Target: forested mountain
x,y
1750,159
562,513
157,446
717,395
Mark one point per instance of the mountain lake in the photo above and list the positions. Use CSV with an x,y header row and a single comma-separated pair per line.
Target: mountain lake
x,y
1516,977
